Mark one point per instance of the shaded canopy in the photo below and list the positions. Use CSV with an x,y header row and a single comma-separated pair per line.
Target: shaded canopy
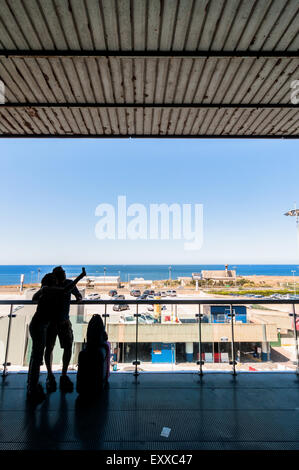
x,y
149,68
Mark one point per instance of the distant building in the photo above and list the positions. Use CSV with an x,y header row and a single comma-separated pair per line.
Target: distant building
x,y
100,281
227,275
139,281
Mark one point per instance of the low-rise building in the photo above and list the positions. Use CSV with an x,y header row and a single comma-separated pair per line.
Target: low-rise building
x,y
227,275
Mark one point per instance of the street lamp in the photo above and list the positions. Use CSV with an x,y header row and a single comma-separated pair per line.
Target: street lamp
x,y
294,213
169,269
104,276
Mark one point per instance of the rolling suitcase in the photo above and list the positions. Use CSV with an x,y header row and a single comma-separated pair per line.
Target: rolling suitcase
x,y
92,369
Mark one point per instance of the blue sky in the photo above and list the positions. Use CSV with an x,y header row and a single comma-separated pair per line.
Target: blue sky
x,y
50,189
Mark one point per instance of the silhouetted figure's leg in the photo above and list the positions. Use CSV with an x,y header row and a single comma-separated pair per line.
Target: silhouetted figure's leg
x,y
50,343
49,360
67,354
66,338
38,335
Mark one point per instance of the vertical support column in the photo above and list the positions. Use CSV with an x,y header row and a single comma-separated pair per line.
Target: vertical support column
x,y
136,362
265,352
200,362
233,361
296,337
189,352
265,347
105,316
5,364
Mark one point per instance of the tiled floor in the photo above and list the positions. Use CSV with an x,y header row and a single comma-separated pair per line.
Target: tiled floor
x,y
218,411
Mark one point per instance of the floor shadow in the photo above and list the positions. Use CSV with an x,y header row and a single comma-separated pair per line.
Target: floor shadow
x,y
46,427
90,419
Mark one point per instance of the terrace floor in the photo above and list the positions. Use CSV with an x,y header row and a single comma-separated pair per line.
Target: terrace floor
x,y
217,411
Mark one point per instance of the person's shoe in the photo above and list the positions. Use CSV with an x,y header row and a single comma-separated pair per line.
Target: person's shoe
x,y
66,385
36,395
51,385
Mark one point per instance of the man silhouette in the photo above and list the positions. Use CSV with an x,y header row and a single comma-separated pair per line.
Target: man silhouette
x,y
61,326
51,300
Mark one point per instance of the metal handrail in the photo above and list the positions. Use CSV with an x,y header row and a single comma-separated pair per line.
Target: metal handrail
x,y
174,301
198,301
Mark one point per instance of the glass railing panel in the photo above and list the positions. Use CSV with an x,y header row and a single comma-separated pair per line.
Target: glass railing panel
x,y
268,343
4,323
14,332
169,336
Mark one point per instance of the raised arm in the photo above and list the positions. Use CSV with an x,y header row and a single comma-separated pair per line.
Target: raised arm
x,y
72,284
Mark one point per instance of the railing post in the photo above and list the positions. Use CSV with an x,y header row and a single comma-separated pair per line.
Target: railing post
x,y
296,337
233,361
7,343
136,362
105,316
200,362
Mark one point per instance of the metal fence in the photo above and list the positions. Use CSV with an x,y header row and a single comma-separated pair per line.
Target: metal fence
x,y
199,302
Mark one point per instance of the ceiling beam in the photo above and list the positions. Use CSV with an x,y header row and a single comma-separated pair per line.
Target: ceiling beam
x,y
145,54
145,136
154,105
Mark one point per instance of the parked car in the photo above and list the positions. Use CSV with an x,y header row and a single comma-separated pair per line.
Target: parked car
x,y
120,307
135,293
112,292
127,319
142,319
146,319
130,319
142,297
171,293
93,296
150,318
119,297
149,292
150,297
161,294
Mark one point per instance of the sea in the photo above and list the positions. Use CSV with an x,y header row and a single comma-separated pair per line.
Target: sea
x,y
11,274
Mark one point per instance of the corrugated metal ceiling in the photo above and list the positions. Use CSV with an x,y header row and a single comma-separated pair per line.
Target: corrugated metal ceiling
x,y
174,85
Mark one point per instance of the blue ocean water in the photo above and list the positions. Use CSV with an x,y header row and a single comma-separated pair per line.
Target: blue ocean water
x,y
10,274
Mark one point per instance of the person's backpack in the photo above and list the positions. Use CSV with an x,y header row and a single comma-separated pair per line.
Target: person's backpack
x,y
92,365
